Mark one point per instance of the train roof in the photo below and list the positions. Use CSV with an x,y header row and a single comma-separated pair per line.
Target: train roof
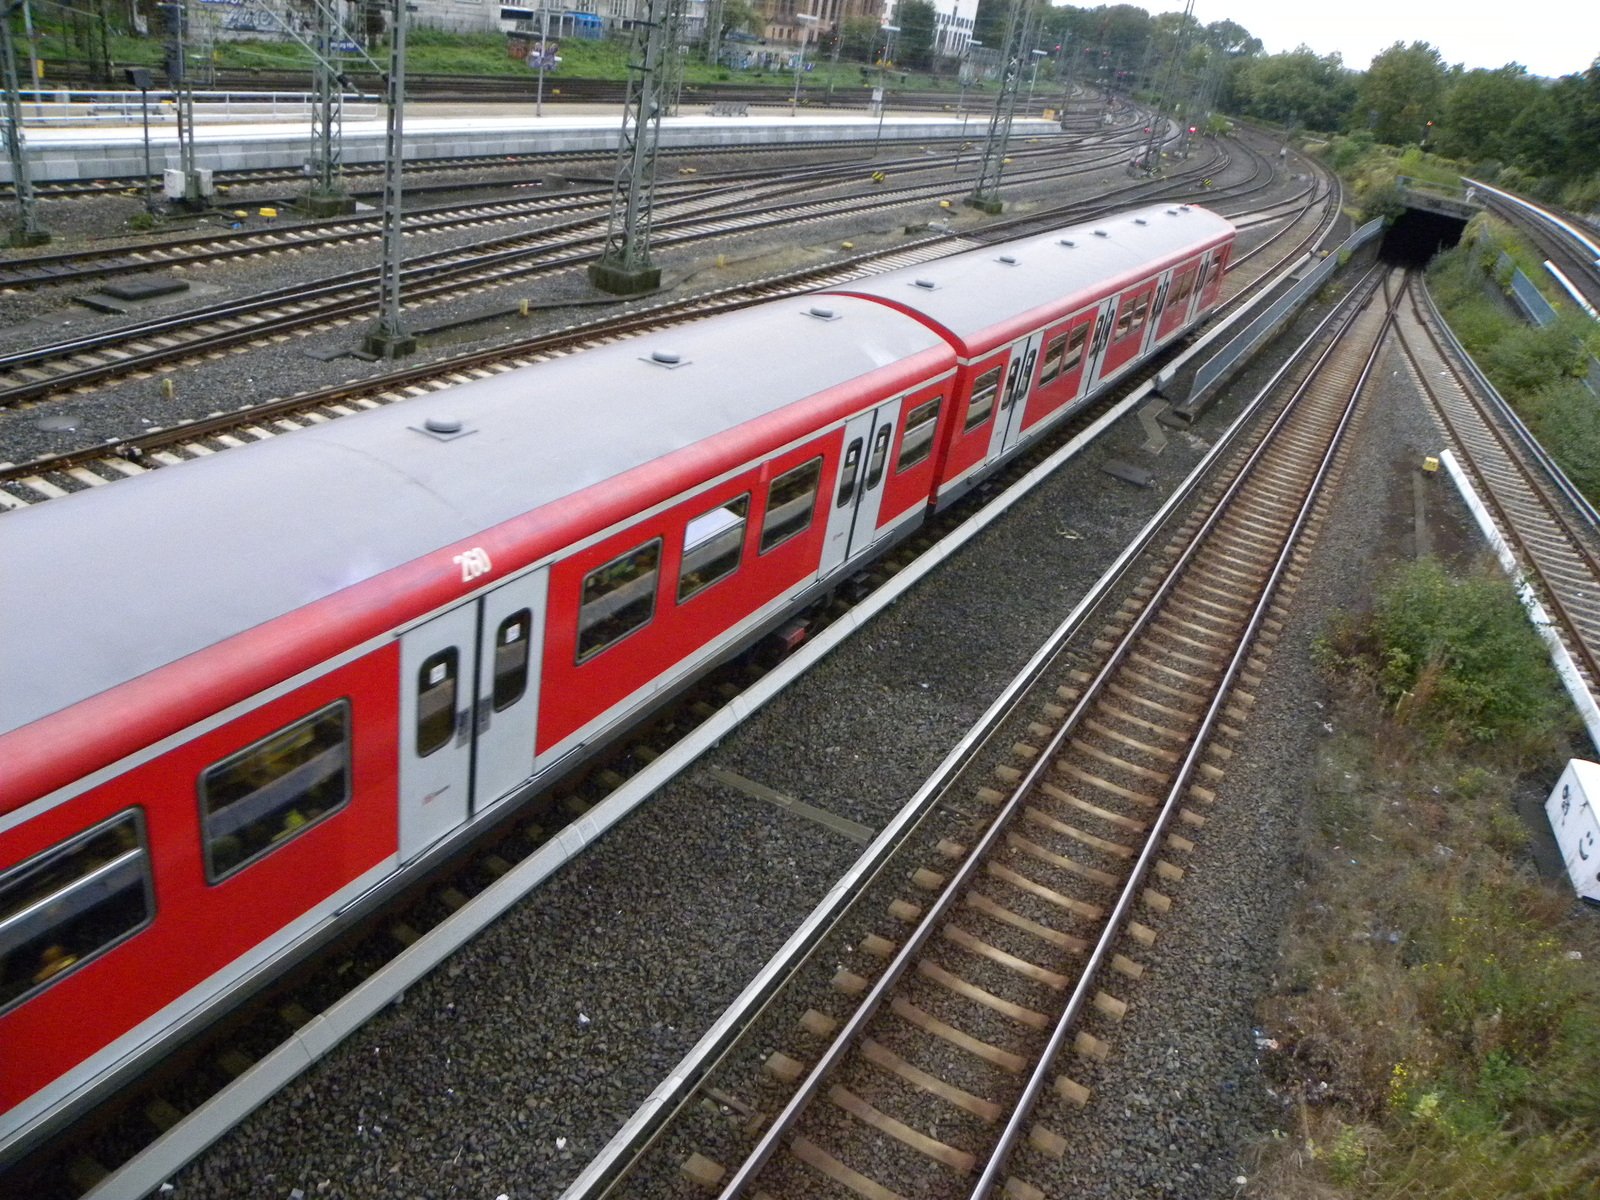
x,y
105,585
983,298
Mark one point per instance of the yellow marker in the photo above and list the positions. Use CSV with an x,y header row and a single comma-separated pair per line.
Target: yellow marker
x,y
239,212
944,204
168,389
269,213
1430,464
847,245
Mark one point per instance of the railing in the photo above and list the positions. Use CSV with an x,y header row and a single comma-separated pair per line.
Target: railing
x,y
76,106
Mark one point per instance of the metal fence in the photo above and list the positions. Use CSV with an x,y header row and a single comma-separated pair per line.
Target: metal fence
x,y
1533,305
1220,366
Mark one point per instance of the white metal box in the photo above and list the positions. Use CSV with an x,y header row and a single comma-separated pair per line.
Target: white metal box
x,y
1574,812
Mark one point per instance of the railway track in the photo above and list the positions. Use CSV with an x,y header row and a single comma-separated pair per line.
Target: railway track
x,y
72,266
59,369
396,928
1553,530
934,1048
57,475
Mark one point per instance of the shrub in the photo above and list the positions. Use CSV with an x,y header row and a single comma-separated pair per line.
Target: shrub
x,y
1458,661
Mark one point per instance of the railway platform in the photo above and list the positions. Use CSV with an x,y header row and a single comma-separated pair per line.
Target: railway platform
x,y
61,153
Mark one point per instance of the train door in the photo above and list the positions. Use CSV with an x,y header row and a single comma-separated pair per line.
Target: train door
x,y
863,467
1097,349
469,683
1158,305
1014,395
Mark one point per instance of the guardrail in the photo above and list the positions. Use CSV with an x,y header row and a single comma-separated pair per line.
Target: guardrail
x,y
1220,367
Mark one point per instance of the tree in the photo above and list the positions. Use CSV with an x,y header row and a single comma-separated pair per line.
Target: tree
x,y
1298,88
861,38
1402,91
914,42
1482,108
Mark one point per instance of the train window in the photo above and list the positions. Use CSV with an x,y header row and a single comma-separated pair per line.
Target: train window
x,y
617,599
983,394
436,700
1075,342
848,471
918,441
511,659
1182,289
269,792
880,451
1054,352
791,501
712,546
1131,315
72,903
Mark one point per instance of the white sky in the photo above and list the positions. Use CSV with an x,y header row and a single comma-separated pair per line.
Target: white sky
x,y
1549,37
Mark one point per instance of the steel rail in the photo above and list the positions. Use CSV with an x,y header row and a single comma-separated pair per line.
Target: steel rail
x,y
1113,928
851,1029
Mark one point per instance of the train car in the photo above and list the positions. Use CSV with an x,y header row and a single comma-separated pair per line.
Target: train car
x,y
1043,324
250,696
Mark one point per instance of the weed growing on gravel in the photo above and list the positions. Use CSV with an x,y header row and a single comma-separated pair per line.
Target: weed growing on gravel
x,y
1454,661
1438,1010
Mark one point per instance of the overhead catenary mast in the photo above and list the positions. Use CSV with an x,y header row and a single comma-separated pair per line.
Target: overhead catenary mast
x,y
27,231
624,266
986,192
389,339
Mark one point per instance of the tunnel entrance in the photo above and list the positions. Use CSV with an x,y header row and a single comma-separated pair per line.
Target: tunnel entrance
x,y
1418,235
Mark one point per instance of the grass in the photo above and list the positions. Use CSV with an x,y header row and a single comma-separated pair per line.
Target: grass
x,y
432,52
1438,1015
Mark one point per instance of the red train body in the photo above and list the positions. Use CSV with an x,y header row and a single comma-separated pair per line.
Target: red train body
x,y
250,694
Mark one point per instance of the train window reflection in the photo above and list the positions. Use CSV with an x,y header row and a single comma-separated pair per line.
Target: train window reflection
x,y
72,903
270,792
983,394
712,545
617,599
436,700
918,441
791,501
511,659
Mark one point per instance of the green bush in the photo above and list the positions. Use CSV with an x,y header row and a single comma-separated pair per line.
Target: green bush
x,y
1457,659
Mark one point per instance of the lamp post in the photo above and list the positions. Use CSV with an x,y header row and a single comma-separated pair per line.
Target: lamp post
x,y
883,92
139,77
800,63
1034,78
544,57
966,78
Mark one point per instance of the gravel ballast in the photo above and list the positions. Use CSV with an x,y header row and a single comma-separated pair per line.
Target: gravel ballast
x,y
506,1069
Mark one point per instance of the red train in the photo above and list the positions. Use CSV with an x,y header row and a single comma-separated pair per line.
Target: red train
x,y
250,694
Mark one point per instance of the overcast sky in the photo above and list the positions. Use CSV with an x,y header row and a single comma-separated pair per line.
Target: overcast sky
x,y
1549,37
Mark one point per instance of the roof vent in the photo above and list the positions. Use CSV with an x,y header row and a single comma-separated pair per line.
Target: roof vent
x,y
444,429
1067,242
1184,207
822,313
1009,260
1101,233
1140,221
670,359
926,285
1172,212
